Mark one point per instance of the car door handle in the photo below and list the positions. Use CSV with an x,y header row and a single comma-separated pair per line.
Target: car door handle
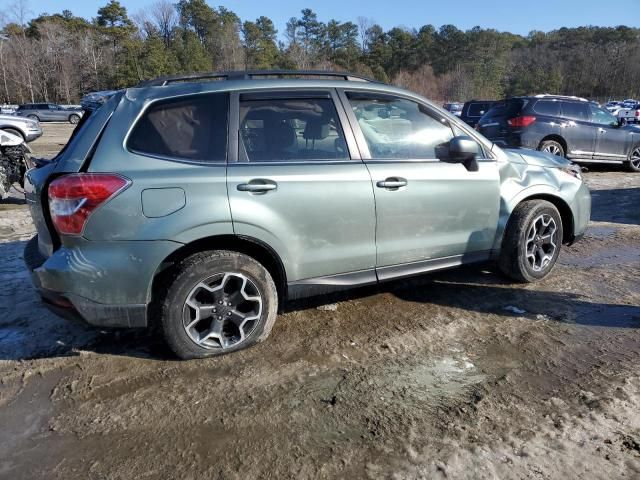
x,y
392,183
257,186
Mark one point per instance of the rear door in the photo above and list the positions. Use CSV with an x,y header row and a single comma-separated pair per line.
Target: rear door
x,y
611,140
298,185
577,129
429,213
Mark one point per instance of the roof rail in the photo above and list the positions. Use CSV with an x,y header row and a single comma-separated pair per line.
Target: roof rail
x,y
249,74
566,97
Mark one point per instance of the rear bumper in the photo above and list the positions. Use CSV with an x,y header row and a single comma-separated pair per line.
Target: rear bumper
x,y
106,284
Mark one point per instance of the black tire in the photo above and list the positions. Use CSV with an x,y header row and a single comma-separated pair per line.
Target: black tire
x,y
201,267
15,132
633,162
552,147
74,118
33,117
514,261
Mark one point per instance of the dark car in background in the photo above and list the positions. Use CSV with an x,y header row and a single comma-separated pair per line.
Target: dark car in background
x,y
570,127
49,112
473,110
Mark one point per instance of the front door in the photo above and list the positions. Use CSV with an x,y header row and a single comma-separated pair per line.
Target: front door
x,y
299,187
611,141
429,213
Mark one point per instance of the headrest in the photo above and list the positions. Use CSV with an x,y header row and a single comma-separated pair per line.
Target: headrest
x,y
316,129
281,136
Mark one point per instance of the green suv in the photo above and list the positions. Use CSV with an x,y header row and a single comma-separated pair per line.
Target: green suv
x,y
200,206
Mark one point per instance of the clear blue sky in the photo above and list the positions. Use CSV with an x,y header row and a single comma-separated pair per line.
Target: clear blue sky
x,y
507,15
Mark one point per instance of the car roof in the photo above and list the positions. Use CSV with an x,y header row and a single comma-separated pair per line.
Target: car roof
x,y
156,92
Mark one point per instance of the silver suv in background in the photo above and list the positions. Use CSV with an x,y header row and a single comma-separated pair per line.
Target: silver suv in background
x,y
26,128
49,112
203,206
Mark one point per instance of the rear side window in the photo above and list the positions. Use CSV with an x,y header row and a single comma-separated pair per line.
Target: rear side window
x,y
575,111
290,130
508,108
187,128
550,108
478,109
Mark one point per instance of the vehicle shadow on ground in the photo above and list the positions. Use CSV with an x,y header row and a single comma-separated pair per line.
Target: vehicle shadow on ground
x,y
483,290
616,206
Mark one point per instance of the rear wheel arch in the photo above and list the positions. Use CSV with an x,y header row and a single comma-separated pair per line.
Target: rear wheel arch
x,y
555,138
251,247
566,215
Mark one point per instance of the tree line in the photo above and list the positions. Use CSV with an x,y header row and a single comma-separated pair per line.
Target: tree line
x,y
59,57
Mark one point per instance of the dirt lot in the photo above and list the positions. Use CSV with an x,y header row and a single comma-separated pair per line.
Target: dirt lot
x,y
460,374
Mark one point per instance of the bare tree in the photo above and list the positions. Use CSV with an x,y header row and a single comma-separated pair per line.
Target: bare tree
x,y
165,17
364,24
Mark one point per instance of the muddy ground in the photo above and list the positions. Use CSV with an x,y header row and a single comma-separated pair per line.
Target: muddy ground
x,y
460,374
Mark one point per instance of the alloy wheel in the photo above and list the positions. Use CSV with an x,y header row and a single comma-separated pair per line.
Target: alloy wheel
x,y
552,149
541,242
634,158
221,311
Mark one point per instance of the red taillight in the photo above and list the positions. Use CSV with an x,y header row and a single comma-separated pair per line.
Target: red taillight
x,y
521,122
637,113
73,198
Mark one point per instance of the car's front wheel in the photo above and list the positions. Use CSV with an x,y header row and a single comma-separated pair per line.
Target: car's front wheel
x,y
217,302
633,163
532,241
74,118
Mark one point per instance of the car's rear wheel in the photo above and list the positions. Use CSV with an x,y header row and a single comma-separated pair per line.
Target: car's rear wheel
x,y
633,163
217,302
532,241
74,118
552,147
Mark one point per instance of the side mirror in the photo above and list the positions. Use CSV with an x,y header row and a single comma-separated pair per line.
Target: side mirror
x,y
462,149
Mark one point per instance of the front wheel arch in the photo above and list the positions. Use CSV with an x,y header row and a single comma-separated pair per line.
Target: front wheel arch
x,y
566,215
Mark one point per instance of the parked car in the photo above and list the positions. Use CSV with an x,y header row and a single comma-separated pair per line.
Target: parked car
x,y
613,106
49,112
203,206
25,128
7,109
473,110
569,127
454,108
629,113
14,161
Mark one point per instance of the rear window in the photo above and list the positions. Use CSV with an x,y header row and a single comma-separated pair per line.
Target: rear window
x,y
478,109
508,108
550,108
575,111
188,128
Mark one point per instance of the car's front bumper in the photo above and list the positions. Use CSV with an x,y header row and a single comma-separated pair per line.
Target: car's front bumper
x,y
106,284
33,134
581,209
